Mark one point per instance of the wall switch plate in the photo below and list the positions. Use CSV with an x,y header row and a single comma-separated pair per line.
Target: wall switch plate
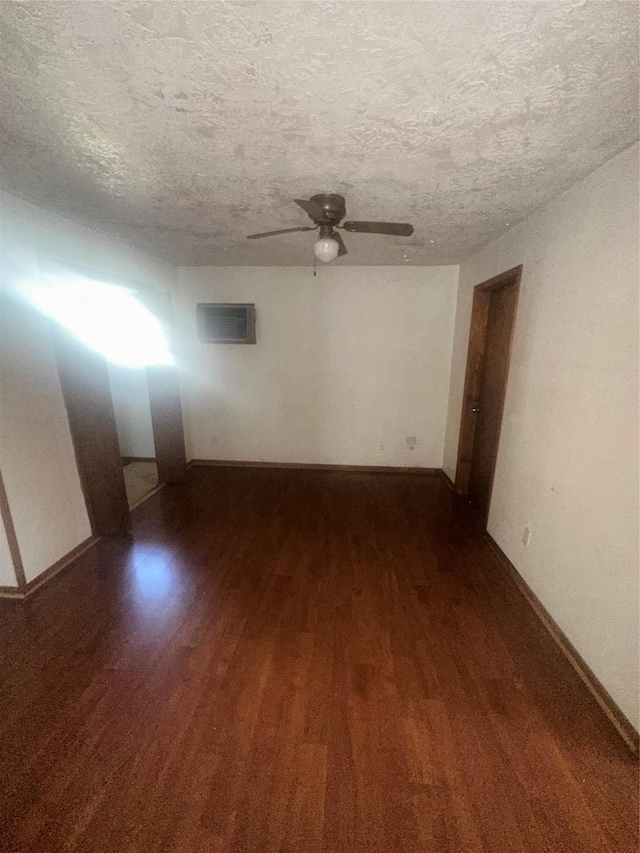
x,y
526,536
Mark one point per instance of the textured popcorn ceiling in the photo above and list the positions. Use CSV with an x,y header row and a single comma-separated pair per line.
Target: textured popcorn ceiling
x,y
181,127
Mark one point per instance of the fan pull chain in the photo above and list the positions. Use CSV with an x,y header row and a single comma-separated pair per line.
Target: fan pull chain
x,y
314,266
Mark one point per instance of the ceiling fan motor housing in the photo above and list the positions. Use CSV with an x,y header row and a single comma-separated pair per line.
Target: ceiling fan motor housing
x,y
333,207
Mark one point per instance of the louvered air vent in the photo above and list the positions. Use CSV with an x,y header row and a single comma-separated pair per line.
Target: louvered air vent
x,y
226,323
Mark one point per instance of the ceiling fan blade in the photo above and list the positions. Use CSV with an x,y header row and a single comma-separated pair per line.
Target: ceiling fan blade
x,y
400,229
338,238
314,210
281,231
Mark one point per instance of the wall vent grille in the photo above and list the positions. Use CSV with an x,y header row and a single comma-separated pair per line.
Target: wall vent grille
x,y
226,323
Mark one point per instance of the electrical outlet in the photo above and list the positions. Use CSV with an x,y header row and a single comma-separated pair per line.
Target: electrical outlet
x,y
526,536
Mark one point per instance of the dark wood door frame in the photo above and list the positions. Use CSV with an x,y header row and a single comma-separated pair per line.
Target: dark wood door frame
x,y
164,401
166,422
12,540
474,373
84,379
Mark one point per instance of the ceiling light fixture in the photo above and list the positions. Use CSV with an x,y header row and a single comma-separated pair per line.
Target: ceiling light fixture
x,y
326,249
326,211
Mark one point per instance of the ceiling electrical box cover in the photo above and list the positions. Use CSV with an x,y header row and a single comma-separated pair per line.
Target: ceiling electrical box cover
x,y
226,323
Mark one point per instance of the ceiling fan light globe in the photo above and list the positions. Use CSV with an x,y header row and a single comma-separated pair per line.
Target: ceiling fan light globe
x,y
326,249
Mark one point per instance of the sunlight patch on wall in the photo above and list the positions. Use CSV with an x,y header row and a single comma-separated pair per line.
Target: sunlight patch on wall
x,y
107,318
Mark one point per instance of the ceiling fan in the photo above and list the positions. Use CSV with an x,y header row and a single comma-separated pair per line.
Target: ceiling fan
x,y
326,210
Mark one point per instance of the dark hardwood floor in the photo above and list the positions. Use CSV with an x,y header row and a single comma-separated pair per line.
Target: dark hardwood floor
x,y
299,661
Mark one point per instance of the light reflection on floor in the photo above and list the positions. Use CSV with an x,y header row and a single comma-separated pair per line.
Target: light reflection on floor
x,y
156,583
154,579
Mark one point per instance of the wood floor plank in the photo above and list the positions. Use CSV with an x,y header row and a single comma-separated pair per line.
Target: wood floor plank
x,y
293,662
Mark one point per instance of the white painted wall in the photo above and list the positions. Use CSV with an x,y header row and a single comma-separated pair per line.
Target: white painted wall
x,y
130,395
36,453
7,572
348,366
568,456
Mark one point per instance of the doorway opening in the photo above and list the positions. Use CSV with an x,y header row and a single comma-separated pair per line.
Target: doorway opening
x,y
132,410
490,337
120,387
